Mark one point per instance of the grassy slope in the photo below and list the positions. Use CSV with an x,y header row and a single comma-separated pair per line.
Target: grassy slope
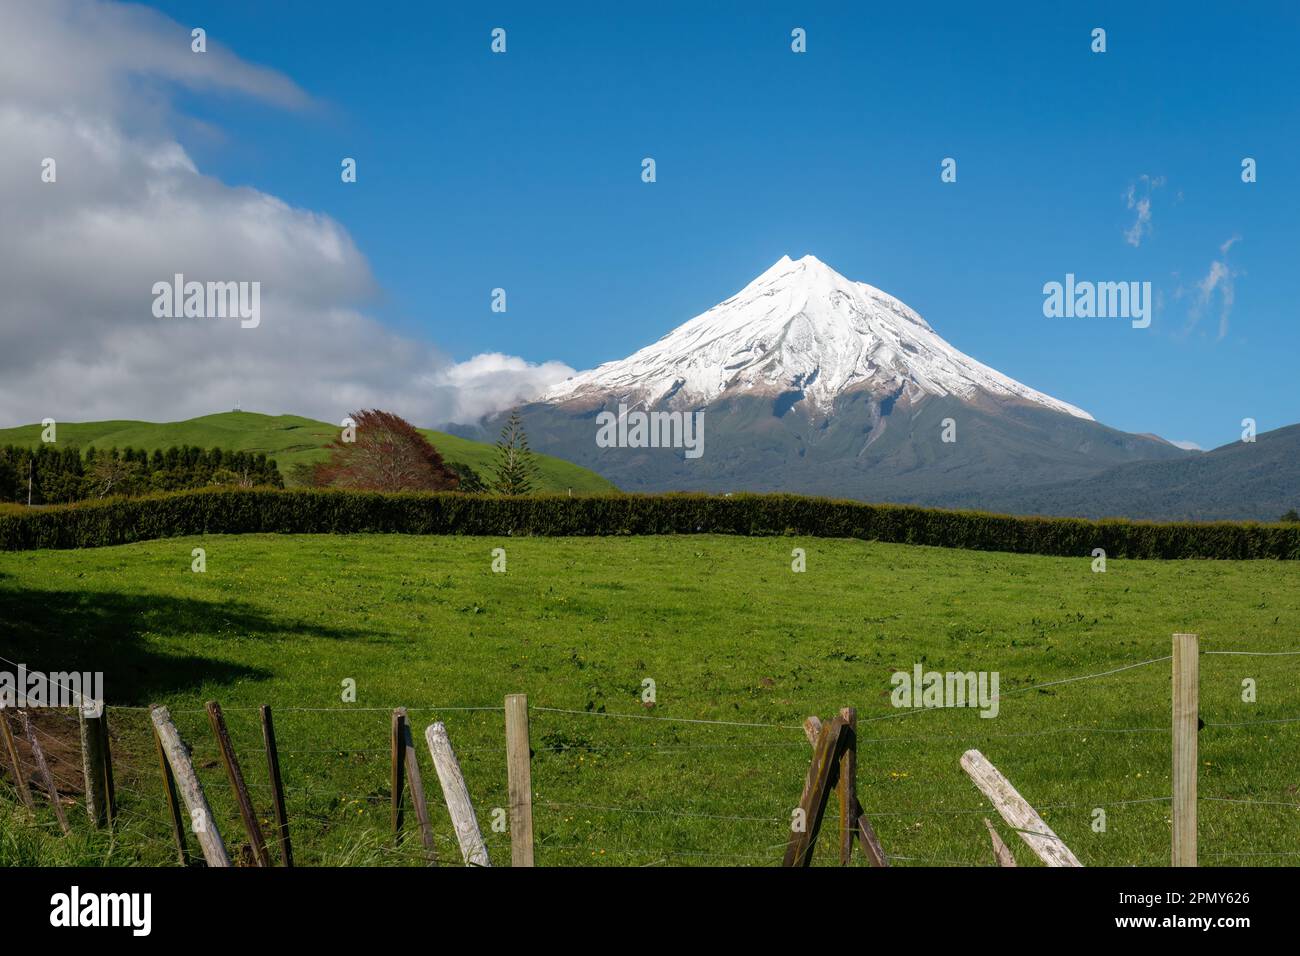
x,y
288,439
727,632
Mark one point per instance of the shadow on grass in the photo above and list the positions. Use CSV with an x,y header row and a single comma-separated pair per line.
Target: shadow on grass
x,y
104,631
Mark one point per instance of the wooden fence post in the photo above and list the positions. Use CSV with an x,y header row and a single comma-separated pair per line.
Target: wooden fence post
x,y
869,842
848,784
861,826
173,802
406,767
191,791
812,728
92,767
397,770
11,749
1186,708
456,794
43,768
277,786
520,780
415,781
1017,811
236,777
817,787
106,749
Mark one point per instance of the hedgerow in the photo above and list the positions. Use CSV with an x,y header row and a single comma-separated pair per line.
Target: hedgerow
x,y
245,511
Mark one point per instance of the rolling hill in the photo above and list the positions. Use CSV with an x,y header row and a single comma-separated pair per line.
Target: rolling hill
x,y
289,439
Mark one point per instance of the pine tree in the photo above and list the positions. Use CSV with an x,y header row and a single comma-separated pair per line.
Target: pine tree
x,y
515,467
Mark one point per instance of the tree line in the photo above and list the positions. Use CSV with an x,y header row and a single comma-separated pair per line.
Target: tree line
x,y
50,475
379,452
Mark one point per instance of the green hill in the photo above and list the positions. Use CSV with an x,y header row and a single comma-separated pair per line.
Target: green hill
x,y
289,439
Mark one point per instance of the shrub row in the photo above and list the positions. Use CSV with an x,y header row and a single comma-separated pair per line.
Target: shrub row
x,y
239,511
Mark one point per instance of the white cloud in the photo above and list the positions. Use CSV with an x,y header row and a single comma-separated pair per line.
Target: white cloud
x,y
1142,204
86,83
1133,235
489,382
1187,445
1218,281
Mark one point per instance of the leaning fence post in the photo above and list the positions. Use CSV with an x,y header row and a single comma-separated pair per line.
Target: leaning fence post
x,y
812,729
817,787
236,777
43,768
92,767
1186,706
869,842
173,802
1015,809
415,782
277,786
12,750
187,782
519,779
456,794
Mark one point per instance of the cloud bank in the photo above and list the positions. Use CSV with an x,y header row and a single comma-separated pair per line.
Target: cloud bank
x,y
87,85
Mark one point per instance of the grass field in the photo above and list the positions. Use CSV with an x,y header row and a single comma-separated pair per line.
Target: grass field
x,y
289,439
727,632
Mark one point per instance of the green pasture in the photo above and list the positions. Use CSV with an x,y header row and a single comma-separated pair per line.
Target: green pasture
x,y
740,649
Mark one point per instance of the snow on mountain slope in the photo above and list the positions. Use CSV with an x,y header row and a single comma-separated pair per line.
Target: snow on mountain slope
x,y
799,327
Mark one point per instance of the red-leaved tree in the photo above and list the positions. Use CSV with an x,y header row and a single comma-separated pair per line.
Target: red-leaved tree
x,y
388,454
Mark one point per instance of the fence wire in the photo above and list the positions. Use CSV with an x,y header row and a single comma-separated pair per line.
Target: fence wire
x,y
316,799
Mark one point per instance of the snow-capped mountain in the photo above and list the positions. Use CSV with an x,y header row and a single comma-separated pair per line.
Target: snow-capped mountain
x,y
800,327
805,381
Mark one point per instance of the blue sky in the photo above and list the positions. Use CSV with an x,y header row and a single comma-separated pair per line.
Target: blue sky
x,y
522,171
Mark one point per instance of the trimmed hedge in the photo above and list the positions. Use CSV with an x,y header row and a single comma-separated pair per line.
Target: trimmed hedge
x,y
237,511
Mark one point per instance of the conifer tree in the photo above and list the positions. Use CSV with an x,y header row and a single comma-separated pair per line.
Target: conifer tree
x,y
515,467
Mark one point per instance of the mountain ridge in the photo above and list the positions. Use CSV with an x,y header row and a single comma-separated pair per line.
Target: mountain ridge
x,y
1239,481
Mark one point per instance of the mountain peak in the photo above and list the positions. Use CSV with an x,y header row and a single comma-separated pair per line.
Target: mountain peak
x,y
803,331
785,265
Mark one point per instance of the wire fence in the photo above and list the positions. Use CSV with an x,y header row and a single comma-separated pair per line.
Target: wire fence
x,y
650,789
